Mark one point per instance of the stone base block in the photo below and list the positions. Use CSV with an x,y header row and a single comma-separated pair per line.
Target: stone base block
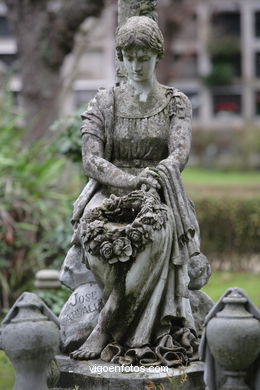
x,y
98,375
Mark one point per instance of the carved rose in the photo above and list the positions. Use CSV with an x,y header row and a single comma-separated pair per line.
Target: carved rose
x,y
94,214
106,250
149,219
111,203
159,221
123,249
91,230
135,235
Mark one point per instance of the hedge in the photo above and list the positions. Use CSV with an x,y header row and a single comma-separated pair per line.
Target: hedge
x,y
230,229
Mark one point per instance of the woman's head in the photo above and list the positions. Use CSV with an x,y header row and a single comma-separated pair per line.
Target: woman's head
x,y
139,32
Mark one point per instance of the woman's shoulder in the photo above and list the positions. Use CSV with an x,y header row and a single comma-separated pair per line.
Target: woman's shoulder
x,y
102,101
179,101
175,93
104,97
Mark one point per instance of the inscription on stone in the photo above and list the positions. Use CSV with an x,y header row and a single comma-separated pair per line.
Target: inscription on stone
x,y
83,298
79,315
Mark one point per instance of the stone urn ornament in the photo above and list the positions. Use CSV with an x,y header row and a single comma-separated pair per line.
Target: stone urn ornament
x,y
30,338
231,343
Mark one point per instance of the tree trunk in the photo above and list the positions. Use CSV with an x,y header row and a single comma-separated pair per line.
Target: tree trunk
x,y
41,86
44,36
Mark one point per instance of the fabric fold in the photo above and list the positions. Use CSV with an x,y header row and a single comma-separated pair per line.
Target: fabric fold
x,y
178,201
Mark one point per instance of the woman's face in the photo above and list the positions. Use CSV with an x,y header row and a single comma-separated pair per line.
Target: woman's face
x,y
139,63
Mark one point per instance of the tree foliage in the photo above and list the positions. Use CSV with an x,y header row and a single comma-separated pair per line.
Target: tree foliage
x,y
34,212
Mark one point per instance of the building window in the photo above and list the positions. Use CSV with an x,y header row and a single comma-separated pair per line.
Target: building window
x,y
227,22
257,103
5,30
189,30
257,64
257,24
227,105
184,66
8,59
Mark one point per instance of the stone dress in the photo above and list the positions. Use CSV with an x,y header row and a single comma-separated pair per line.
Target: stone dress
x,y
146,308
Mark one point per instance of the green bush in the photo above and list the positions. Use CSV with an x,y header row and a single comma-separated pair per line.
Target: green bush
x,y
230,229
222,73
224,52
68,139
223,47
54,298
35,209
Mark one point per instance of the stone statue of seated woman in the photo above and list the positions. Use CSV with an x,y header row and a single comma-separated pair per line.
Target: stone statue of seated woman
x,y
134,227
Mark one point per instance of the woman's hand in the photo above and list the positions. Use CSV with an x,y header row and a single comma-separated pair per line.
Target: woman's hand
x,y
148,178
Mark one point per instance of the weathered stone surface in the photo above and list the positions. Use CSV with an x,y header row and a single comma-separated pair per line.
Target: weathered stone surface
x,y
201,304
230,345
199,271
75,373
128,8
79,315
30,338
73,272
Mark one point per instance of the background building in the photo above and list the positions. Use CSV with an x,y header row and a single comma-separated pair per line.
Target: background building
x,y
213,56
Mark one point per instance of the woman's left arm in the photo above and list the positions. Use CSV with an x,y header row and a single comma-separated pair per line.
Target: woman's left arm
x,y
180,133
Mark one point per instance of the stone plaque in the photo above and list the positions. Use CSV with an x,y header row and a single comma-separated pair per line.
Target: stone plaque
x,y
79,315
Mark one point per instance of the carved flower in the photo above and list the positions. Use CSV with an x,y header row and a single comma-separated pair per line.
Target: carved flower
x,y
94,214
136,236
91,230
122,249
144,229
159,221
115,243
106,250
149,218
111,203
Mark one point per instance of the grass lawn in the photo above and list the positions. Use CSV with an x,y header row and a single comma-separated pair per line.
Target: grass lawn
x,y
203,182
211,177
221,281
7,374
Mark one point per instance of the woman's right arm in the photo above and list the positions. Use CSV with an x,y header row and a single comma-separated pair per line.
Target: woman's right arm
x,y
96,167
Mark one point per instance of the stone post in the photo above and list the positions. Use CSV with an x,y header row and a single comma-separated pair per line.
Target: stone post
x,y
128,8
46,279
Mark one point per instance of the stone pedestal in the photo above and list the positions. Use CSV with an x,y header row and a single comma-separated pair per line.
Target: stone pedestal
x,y
98,375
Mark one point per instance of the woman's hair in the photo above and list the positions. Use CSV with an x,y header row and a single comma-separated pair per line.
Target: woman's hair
x,y
141,32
